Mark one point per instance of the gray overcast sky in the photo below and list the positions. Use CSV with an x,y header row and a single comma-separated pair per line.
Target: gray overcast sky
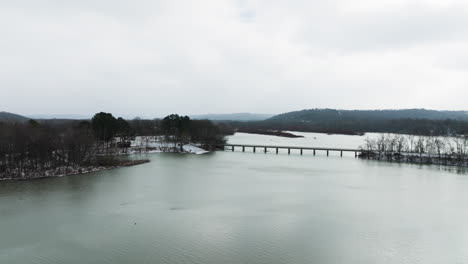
x,y
151,58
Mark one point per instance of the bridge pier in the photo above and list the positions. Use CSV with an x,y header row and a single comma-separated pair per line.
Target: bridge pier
x,y
355,154
301,151
232,148
243,148
276,150
341,154
314,152
265,150
289,151
328,153
254,149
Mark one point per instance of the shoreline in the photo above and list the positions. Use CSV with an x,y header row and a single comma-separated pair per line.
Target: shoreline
x,y
80,171
413,158
277,133
133,150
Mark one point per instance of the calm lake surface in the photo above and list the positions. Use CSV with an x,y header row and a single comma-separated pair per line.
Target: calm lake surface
x,y
234,207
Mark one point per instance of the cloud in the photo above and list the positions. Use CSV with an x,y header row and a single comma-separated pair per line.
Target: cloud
x,y
151,58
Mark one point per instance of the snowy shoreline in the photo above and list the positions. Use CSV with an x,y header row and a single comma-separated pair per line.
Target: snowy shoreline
x,y
69,171
191,149
155,144
139,145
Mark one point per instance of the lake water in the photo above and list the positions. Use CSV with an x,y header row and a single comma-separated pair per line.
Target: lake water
x,y
234,207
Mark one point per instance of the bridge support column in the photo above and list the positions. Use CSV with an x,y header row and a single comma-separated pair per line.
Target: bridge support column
x,y
243,148
276,150
314,152
232,148
289,151
341,154
254,149
328,153
265,150
355,154
301,151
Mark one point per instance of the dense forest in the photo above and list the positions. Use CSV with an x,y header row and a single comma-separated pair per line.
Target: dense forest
x,y
55,147
180,130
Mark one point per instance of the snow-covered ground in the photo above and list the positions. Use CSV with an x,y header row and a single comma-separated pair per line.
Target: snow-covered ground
x,y
157,144
193,149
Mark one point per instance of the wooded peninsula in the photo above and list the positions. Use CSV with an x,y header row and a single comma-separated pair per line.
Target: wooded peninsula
x,y
45,148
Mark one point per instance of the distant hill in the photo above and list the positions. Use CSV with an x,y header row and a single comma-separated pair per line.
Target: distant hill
x,y
10,117
357,122
320,115
234,117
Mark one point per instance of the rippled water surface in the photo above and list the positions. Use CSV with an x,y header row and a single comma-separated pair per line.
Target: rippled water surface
x,y
234,207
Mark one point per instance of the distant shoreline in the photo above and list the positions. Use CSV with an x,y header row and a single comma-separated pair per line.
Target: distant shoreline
x,y
277,133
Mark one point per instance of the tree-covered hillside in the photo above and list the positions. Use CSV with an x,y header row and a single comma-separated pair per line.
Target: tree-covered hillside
x,y
407,121
319,115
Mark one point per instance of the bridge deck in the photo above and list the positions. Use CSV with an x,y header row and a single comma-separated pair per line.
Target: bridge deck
x,y
292,147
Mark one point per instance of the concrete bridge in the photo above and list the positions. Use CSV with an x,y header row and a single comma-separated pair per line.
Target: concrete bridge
x,y
289,148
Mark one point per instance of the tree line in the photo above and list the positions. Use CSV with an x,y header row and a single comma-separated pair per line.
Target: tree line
x,y
31,148
423,149
28,149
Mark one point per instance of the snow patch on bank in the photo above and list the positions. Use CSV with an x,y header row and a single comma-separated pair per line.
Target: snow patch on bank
x,y
193,149
155,144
